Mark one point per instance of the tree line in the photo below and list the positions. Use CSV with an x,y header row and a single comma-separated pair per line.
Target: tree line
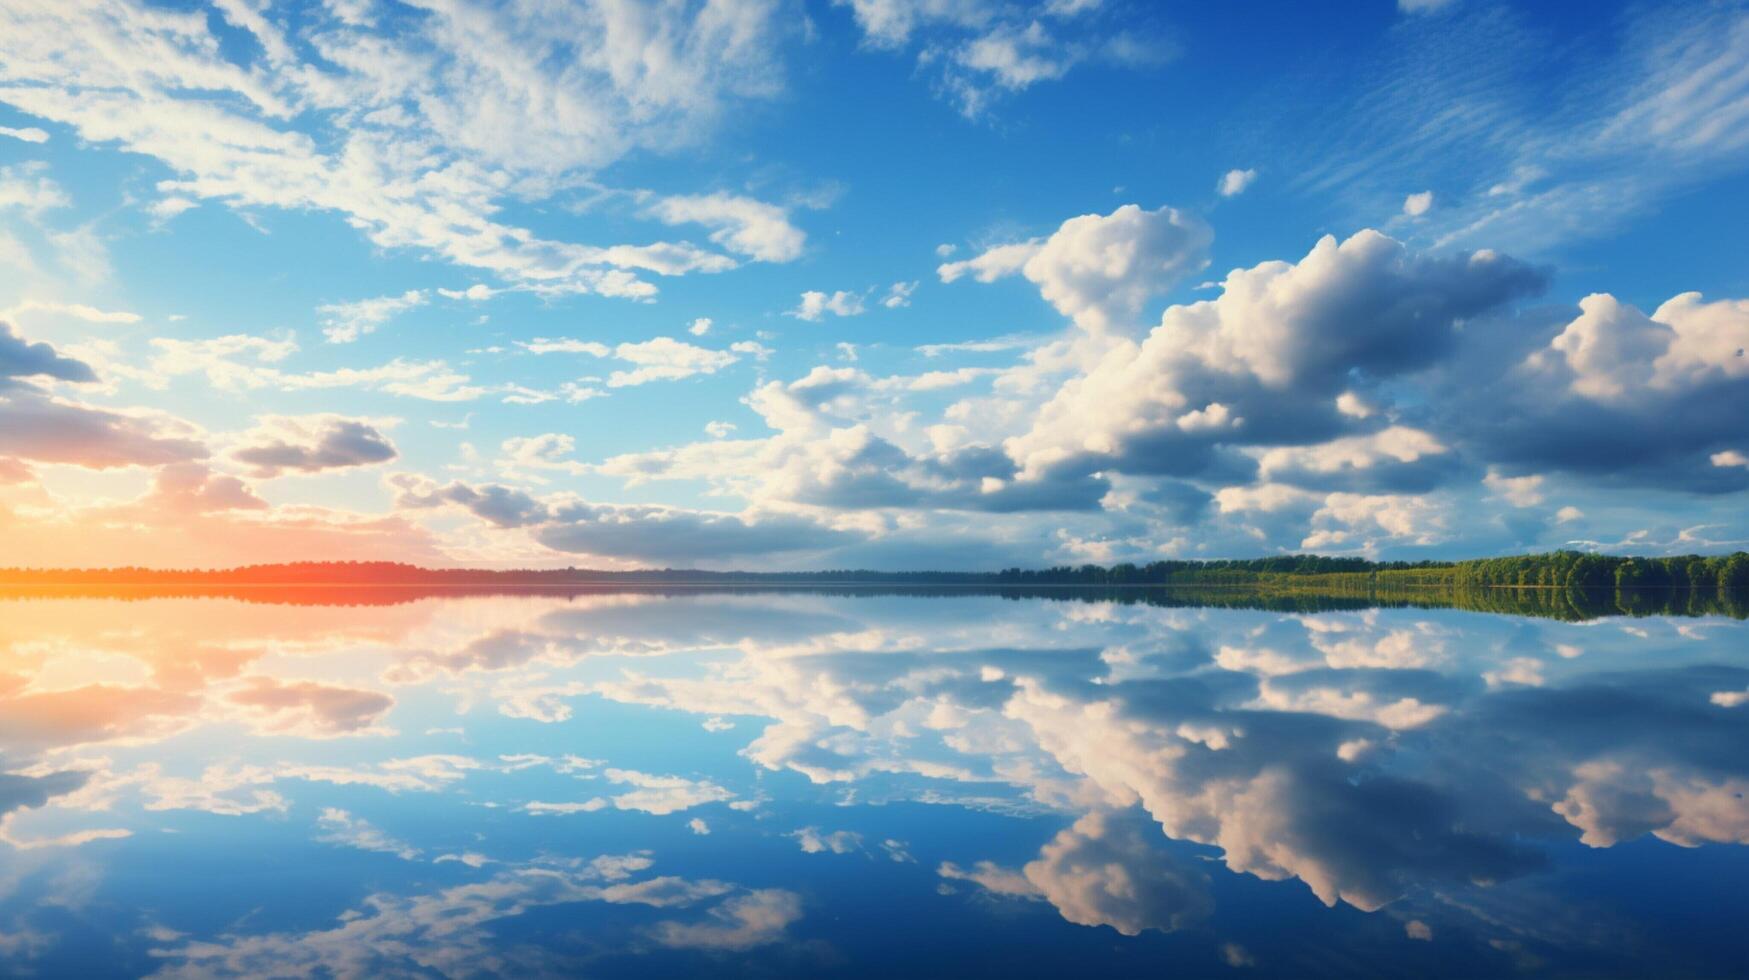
x,y
1559,569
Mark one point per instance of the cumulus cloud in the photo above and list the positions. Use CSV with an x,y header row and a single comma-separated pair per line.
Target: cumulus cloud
x,y
1108,869
815,305
991,264
311,444
665,359
1099,270
22,359
1311,404
38,426
1614,351
45,429
632,532
193,488
742,225
496,504
309,708
1615,395
815,841
743,922
19,791
663,794
1234,182
826,455
1264,362
1397,458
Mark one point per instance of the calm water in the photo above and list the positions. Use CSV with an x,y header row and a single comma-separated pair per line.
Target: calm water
x,y
807,784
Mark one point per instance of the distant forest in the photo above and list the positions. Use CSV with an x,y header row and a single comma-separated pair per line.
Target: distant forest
x,y
1572,570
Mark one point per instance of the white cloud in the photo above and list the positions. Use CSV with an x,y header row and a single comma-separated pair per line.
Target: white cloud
x,y
991,264
890,23
29,134
743,922
564,345
343,323
401,934
312,444
665,359
1104,871
1234,182
25,188
1618,354
700,326
78,311
1099,270
898,295
977,51
1519,491
242,362
657,359
815,305
542,807
1237,956
166,208
742,225
815,841
1275,337
341,827
663,794
478,292
1015,58
1418,204
418,129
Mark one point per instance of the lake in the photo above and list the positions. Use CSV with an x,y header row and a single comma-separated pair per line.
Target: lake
x,y
866,783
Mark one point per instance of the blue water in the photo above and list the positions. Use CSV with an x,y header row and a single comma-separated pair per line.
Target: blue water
x,y
803,784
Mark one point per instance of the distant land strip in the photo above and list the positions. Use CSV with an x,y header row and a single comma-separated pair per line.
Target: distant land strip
x,y
1570,570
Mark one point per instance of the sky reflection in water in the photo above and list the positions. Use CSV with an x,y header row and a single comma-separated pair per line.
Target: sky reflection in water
x,y
807,784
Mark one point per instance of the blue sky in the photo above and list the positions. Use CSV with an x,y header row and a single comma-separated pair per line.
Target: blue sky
x,y
891,283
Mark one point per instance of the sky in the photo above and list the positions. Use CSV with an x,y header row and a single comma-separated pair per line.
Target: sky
x,y
877,283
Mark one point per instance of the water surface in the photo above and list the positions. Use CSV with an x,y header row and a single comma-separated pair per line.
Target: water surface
x,y
775,783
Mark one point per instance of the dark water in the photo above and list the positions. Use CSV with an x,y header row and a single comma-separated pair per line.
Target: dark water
x,y
869,784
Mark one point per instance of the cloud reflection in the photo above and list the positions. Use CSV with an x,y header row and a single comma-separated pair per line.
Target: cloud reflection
x,y
1366,757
